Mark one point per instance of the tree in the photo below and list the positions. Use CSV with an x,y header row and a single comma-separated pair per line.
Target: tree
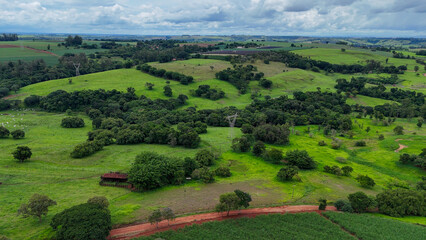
x,y
365,181
22,153
420,122
228,202
206,175
72,122
273,155
204,157
347,170
100,200
17,134
287,173
402,202
155,217
168,215
37,206
416,68
84,221
189,165
168,91
223,171
245,198
259,148
14,87
4,132
241,144
398,130
300,159
149,85
322,204
360,202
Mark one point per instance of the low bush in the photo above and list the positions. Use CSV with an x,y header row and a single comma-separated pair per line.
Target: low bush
x,y
17,134
223,172
72,122
86,149
360,143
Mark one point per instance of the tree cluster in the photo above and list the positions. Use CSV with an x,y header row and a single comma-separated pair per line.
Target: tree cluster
x,y
8,37
240,76
162,73
232,201
204,91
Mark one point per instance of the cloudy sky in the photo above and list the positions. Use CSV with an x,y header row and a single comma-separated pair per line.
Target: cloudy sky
x,y
381,18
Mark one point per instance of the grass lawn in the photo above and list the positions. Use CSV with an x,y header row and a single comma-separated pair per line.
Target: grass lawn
x,y
72,181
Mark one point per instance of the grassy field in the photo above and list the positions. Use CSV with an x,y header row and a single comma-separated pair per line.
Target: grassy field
x,y
52,172
273,226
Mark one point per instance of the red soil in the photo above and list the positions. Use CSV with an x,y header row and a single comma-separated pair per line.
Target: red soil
x,y
147,229
400,145
34,49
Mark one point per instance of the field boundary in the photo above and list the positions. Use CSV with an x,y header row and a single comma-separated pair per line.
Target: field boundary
x,y
147,229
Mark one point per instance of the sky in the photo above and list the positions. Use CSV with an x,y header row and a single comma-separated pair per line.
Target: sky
x,y
352,18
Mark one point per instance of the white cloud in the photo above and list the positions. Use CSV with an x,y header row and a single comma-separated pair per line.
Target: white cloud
x,y
270,17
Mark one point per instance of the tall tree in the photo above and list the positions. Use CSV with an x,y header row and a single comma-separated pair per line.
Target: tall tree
x,y
37,206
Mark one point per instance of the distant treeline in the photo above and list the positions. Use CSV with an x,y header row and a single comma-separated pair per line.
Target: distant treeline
x,y
297,61
14,75
9,37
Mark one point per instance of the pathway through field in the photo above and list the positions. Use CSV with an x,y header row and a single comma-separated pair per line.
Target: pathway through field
x,y
147,229
400,145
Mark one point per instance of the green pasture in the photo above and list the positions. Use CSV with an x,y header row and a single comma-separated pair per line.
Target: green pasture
x,y
25,54
69,181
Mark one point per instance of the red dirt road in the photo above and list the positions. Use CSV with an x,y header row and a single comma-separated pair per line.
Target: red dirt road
x,y
147,229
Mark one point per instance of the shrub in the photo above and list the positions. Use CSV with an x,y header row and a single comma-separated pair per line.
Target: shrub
x,y
265,83
322,143
85,149
360,202
4,132
301,159
287,173
347,170
247,128
259,148
360,143
100,200
333,170
402,202
206,175
407,158
151,170
241,144
381,137
17,134
398,130
204,157
343,205
273,155
365,181
189,165
72,122
22,153
84,221
323,204
273,134
32,101
168,91
223,172
341,160
336,143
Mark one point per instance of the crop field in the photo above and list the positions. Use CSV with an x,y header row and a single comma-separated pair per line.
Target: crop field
x,y
273,226
370,227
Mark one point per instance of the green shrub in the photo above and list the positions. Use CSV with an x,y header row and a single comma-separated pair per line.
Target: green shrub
x,y
259,148
189,165
273,155
323,204
402,202
322,143
381,137
360,143
360,202
223,172
287,173
204,157
17,134
4,132
84,221
72,122
301,159
85,149
365,181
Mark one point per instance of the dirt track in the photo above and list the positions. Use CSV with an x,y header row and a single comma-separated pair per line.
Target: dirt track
x,y
147,229
34,49
400,145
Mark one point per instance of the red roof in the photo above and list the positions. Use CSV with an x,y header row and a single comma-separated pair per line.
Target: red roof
x,y
115,175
